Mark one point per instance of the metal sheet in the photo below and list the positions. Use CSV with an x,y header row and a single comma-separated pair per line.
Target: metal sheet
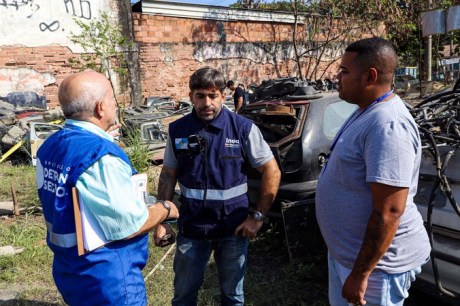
x,y
433,22
453,18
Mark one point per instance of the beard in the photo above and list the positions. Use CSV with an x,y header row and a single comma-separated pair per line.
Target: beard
x,y
207,113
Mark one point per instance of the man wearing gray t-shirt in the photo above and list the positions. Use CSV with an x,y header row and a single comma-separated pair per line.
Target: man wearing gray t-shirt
x,y
375,236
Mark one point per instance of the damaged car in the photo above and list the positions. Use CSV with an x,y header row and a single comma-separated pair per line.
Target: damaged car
x,y
299,123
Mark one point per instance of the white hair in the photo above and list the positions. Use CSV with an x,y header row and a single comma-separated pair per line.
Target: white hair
x,y
79,100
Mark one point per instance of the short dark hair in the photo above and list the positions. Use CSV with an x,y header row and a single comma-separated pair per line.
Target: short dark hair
x,y
230,83
205,78
376,53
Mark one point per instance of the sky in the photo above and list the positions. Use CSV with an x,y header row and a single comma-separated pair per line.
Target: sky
x,y
209,2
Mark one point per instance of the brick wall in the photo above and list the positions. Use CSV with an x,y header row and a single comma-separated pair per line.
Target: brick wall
x,y
35,48
172,48
50,59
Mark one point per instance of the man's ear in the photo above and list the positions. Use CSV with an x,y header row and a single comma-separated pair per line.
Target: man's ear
x,y
190,95
99,109
372,75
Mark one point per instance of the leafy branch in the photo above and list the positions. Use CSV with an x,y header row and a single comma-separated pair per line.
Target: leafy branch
x,y
105,49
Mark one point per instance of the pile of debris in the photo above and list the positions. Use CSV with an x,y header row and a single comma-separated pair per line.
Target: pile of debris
x,y
152,121
25,123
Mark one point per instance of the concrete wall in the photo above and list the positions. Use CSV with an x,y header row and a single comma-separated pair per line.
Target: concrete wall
x,y
35,45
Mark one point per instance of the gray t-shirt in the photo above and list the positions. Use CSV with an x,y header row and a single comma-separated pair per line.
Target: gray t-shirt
x,y
380,145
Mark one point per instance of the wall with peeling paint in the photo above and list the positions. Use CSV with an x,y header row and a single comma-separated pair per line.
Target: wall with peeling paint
x,y
35,23
35,48
24,79
35,45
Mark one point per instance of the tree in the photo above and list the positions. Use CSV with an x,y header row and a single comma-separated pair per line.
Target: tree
x,y
321,25
105,49
320,33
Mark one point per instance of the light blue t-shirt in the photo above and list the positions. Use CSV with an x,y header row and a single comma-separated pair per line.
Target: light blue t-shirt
x,y
381,145
106,189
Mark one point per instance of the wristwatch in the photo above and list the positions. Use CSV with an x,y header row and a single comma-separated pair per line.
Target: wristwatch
x,y
257,215
165,205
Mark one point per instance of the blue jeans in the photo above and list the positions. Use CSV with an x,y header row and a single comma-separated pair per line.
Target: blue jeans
x,y
192,256
382,289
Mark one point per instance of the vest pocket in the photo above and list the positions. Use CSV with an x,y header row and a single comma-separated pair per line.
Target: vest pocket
x,y
224,157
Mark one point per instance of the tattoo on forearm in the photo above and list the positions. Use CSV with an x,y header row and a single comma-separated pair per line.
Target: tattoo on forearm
x,y
375,242
165,191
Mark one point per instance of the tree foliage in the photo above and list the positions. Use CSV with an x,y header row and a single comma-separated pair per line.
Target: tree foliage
x,y
320,33
400,17
105,48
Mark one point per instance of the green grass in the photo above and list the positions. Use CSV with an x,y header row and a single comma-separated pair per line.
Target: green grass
x,y
271,278
22,178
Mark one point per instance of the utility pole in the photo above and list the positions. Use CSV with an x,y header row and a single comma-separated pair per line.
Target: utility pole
x,y
126,16
428,53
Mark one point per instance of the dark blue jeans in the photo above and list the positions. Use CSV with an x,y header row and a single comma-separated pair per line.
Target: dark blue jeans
x,y
192,256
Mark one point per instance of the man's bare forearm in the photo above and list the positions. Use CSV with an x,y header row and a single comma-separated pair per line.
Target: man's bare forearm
x,y
380,232
389,203
269,184
166,184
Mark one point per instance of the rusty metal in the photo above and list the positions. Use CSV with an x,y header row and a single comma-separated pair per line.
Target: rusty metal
x,y
15,201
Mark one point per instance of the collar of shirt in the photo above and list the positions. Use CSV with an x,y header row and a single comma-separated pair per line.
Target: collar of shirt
x,y
218,122
90,127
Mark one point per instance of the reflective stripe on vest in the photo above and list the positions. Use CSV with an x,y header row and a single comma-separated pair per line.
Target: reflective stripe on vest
x,y
214,194
61,240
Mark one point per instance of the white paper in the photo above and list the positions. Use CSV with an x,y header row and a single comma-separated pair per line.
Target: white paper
x,y
93,236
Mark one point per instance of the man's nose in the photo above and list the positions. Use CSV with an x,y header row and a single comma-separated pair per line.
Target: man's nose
x,y
208,100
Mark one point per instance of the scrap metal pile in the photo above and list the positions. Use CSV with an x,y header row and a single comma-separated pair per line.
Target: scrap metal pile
x,y
25,123
152,121
438,120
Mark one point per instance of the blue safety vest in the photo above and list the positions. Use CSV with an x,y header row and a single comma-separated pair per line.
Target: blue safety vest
x,y
211,173
98,277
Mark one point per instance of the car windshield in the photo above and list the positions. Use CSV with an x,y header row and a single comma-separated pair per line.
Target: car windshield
x,y
335,115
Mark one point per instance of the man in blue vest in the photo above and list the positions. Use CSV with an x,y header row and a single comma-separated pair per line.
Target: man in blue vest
x,y
207,154
83,155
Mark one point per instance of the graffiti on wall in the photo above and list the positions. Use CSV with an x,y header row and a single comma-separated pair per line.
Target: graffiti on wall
x,y
42,22
263,53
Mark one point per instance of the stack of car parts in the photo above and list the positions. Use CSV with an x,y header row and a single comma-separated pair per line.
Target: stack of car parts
x,y
152,123
438,120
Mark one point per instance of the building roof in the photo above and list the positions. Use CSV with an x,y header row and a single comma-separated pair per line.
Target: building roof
x,y
200,11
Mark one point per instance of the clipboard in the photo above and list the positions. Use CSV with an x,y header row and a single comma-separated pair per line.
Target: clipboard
x,y
89,234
